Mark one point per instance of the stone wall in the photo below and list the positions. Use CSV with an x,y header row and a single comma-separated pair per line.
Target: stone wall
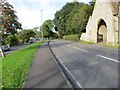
x,y
102,11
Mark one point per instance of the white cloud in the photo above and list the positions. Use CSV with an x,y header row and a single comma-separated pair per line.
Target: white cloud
x,y
32,17
29,18
41,1
29,11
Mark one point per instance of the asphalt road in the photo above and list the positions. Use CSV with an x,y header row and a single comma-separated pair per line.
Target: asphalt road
x,y
14,48
44,72
93,66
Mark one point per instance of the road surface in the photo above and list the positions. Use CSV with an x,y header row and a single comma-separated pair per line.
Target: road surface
x,y
14,48
93,66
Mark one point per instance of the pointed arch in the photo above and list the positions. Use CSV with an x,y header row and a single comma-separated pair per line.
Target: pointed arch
x,y
101,31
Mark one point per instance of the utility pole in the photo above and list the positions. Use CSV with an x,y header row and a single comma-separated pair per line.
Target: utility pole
x,y
41,23
118,23
118,38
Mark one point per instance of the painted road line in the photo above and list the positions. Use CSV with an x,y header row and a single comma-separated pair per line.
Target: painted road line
x,y
76,48
59,59
71,75
80,49
44,43
68,45
114,60
62,71
69,72
57,56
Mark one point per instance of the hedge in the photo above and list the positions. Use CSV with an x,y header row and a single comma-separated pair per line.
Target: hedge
x,y
75,37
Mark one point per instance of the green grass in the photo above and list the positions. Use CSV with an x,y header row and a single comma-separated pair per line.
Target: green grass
x,y
86,42
111,46
105,45
15,66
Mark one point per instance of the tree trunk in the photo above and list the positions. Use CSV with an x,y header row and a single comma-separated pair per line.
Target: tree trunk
x,y
8,45
2,53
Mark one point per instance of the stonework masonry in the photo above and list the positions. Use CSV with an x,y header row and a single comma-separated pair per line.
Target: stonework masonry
x,y
102,26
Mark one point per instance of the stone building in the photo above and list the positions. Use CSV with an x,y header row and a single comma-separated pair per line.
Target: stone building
x,y
102,26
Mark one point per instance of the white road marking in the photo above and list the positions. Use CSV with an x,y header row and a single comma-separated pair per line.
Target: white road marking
x,y
71,75
80,49
68,45
44,43
69,72
57,56
109,58
76,48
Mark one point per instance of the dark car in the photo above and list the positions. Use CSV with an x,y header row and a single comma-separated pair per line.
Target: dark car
x,y
5,48
30,42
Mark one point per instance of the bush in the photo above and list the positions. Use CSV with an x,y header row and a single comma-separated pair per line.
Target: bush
x,y
59,36
11,40
72,37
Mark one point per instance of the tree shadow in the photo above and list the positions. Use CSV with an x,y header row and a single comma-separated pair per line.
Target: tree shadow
x,y
58,44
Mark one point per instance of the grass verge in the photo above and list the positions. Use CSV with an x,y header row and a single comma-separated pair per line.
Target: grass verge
x,y
86,42
15,66
111,46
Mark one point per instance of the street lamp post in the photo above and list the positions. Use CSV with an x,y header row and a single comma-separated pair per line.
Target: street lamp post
x,y
41,23
119,22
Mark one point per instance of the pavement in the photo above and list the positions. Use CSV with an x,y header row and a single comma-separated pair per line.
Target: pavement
x,y
44,72
92,66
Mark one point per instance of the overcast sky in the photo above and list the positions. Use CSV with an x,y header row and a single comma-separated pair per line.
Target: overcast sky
x,y
29,11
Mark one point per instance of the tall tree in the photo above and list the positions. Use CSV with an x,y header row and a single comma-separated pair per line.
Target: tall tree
x,y
9,20
47,28
80,19
63,17
72,18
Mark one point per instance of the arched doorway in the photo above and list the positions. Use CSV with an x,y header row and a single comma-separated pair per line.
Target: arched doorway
x,y
102,31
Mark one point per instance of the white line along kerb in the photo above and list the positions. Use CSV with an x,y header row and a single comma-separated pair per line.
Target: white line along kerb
x,y
109,58
80,49
68,45
71,75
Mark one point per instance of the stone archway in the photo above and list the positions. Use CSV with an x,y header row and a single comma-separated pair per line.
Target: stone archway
x,y
102,31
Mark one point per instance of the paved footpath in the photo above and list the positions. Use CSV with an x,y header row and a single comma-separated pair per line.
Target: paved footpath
x,y
44,72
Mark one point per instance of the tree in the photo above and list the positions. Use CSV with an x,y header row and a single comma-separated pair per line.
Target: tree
x,y
25,35
63,18
73,18
37,32
11,40
9,20
47,28
79,21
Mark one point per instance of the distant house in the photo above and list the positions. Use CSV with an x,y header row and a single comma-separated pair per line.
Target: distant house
x,y
102,26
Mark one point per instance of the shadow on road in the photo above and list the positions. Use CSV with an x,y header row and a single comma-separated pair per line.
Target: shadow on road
x,y
60,44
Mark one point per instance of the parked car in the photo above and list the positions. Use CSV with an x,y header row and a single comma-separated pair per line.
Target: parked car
x,y
30,42
5,48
